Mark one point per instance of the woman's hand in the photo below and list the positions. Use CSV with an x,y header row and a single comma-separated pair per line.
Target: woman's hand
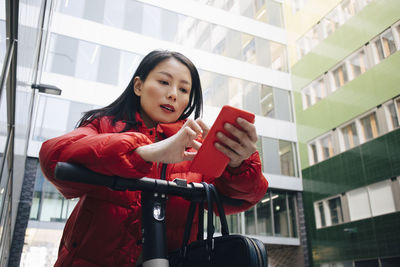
x,y
241,149
173,149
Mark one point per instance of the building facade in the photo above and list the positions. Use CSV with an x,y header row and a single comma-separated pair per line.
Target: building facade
x,y
344,58
240,48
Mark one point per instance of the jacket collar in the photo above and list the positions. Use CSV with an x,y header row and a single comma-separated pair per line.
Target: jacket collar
x,y
164,129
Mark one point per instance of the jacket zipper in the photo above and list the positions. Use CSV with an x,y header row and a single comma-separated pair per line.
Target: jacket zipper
x,y
163,171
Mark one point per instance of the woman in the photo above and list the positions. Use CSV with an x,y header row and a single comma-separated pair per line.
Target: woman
x,y
145,129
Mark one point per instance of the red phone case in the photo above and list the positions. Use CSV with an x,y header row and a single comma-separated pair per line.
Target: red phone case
x,y
209,160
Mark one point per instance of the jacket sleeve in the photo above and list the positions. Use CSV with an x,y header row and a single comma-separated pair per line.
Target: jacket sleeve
x,y
245,182
106,153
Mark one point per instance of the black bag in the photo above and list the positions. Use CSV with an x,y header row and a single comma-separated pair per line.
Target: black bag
x,y
226,250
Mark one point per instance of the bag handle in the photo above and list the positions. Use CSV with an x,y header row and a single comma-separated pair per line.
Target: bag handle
x,y
211,196
210,214
221,211
189,222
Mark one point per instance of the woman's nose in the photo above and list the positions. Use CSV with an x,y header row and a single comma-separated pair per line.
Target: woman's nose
x,y
172,93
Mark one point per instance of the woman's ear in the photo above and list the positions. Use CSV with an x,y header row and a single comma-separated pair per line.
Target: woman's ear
x,y
137,86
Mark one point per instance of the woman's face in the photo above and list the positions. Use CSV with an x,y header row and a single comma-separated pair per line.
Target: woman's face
x,y
165,93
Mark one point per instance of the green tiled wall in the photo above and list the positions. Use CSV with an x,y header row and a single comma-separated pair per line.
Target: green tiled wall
x,y
374,87
379,236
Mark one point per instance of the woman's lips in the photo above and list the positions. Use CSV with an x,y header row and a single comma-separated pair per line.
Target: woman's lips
x,y
168,108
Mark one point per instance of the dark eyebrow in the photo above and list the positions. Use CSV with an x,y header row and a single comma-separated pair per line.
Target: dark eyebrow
x,y
170,76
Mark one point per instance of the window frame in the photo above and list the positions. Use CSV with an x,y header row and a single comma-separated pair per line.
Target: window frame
x,y
388,114
342,142
363,137
356,54
345,74
396,34
319,148
374,49
327,212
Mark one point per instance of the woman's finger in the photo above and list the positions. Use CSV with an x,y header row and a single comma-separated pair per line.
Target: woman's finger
x,y
249,128
196,145
194,126
230,153
228,142
188,155
240,135
204,127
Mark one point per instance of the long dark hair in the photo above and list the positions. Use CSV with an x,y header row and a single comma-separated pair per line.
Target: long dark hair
x,y
127,104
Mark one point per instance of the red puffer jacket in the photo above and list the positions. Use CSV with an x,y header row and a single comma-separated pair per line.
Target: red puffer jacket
x,y
104,228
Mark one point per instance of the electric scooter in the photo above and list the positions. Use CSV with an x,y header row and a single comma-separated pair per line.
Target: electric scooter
x,y
153,199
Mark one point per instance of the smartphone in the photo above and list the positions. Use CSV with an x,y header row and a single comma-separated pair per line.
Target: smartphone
x,y
209,160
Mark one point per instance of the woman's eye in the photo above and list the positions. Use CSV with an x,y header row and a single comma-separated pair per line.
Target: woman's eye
x,y
163,82
184,90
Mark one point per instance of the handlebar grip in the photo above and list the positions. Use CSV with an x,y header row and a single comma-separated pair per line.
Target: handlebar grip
x,y
77,173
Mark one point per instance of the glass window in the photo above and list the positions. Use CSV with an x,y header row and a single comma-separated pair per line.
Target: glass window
x,y
212,93
267,101
71,7
335,210
87,60
94,10
47,203
301,48
62,55
392,116
306,93
320,214
114,13
390,262
283,107
360,4
292,215
277,55
109,65
350,136
348,9
397,30
249,50
233,221
273,13
319,89
314,153
358,63
2,41
367,263
389,46
331,22
3,126
264,219
342,264
250,223
312,37
280,215
287,158
271,159
128,64
377,48
359,207
279,157
369,126
327,146
297,5
340,75
56,116
381,198
275,103
133,16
